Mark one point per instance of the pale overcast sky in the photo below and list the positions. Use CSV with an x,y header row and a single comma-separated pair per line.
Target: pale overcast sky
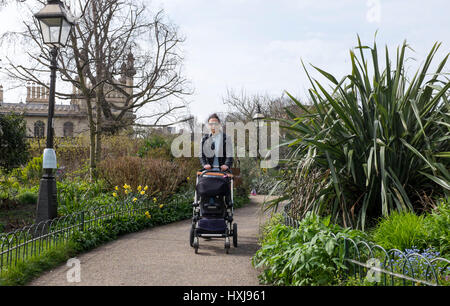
x,y
256,45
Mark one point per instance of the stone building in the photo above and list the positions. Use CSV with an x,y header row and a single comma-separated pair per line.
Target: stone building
x,y
69,120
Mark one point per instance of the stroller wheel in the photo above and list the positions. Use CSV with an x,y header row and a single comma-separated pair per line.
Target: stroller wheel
x,y
191,236
227,245
235,236
196,244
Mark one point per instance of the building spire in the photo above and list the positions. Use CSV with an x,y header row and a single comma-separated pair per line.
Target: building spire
x,y
131,71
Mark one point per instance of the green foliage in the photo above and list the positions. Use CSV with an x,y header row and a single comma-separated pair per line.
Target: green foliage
x,y
156,146
377,139
75,195
309,255
14,148
437,226
401,230
32,172
25,271
9,187
27,198
266,227
264,180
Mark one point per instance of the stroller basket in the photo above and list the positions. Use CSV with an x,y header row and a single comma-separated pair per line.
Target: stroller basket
x,y
212,225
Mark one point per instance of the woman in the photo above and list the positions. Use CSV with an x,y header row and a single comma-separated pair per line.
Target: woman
x,y
214,151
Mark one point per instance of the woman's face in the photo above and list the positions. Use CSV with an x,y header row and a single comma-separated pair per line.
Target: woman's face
x,y
214,125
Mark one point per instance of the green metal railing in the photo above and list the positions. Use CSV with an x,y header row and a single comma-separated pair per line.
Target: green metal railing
x,y
365,260
22,244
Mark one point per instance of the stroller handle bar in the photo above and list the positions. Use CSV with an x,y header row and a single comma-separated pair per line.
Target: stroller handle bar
x,y
214,172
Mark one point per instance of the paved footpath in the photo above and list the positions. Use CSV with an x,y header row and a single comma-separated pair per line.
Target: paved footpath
x,y
162,256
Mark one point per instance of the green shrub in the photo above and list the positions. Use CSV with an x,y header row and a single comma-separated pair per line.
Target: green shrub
x,y
161,176
401,230
32,172
437,226
378,137
14,148
156,146
266,227
77,194
9,188
27,198
308,255
264,180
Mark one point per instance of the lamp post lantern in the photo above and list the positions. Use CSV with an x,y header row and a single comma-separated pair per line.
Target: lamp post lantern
x,y
258,118
55,24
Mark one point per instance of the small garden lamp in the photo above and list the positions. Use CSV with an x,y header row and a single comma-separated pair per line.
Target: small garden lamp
x,y
55,24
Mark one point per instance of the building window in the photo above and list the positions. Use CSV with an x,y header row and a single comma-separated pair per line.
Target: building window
x,y
39,127
68,129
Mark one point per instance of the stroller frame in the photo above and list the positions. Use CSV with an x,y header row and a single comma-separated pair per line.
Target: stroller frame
x,y
231,229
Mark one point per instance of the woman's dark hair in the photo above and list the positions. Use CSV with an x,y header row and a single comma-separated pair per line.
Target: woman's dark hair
x,y
213,116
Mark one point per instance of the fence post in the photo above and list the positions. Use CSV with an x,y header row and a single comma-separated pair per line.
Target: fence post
x,y
82,222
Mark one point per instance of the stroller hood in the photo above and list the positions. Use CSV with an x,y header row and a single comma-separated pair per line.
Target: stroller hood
x,y
213,186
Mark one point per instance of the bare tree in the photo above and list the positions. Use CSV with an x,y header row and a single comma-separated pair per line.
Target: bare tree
x,y
118,49
6,2
243,107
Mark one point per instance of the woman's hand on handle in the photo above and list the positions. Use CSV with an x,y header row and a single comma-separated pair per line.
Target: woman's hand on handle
x,y
224,168
207,167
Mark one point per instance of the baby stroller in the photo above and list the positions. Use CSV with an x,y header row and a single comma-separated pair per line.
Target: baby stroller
x,y
213,208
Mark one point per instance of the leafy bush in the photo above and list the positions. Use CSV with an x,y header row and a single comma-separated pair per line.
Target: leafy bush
x,y
9,188
162,177
14,148
378,138
27,198
264,181
437,226
308,255
156,146
266,227
75,195
32,172
119,146
401,230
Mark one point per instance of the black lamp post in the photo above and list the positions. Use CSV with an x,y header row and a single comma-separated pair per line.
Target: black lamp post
x,y
55,24
259,119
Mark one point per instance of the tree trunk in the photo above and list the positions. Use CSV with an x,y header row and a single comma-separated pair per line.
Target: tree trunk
x,y
98,135
92,162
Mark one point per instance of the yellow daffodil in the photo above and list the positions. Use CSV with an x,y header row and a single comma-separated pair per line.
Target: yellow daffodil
x,y
142,192
145,188
188,178
126,191
134,199
139,188
161,206
154,199
147,214
114,194
116,188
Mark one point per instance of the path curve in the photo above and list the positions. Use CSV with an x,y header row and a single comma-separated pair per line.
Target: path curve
x,y
161,256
